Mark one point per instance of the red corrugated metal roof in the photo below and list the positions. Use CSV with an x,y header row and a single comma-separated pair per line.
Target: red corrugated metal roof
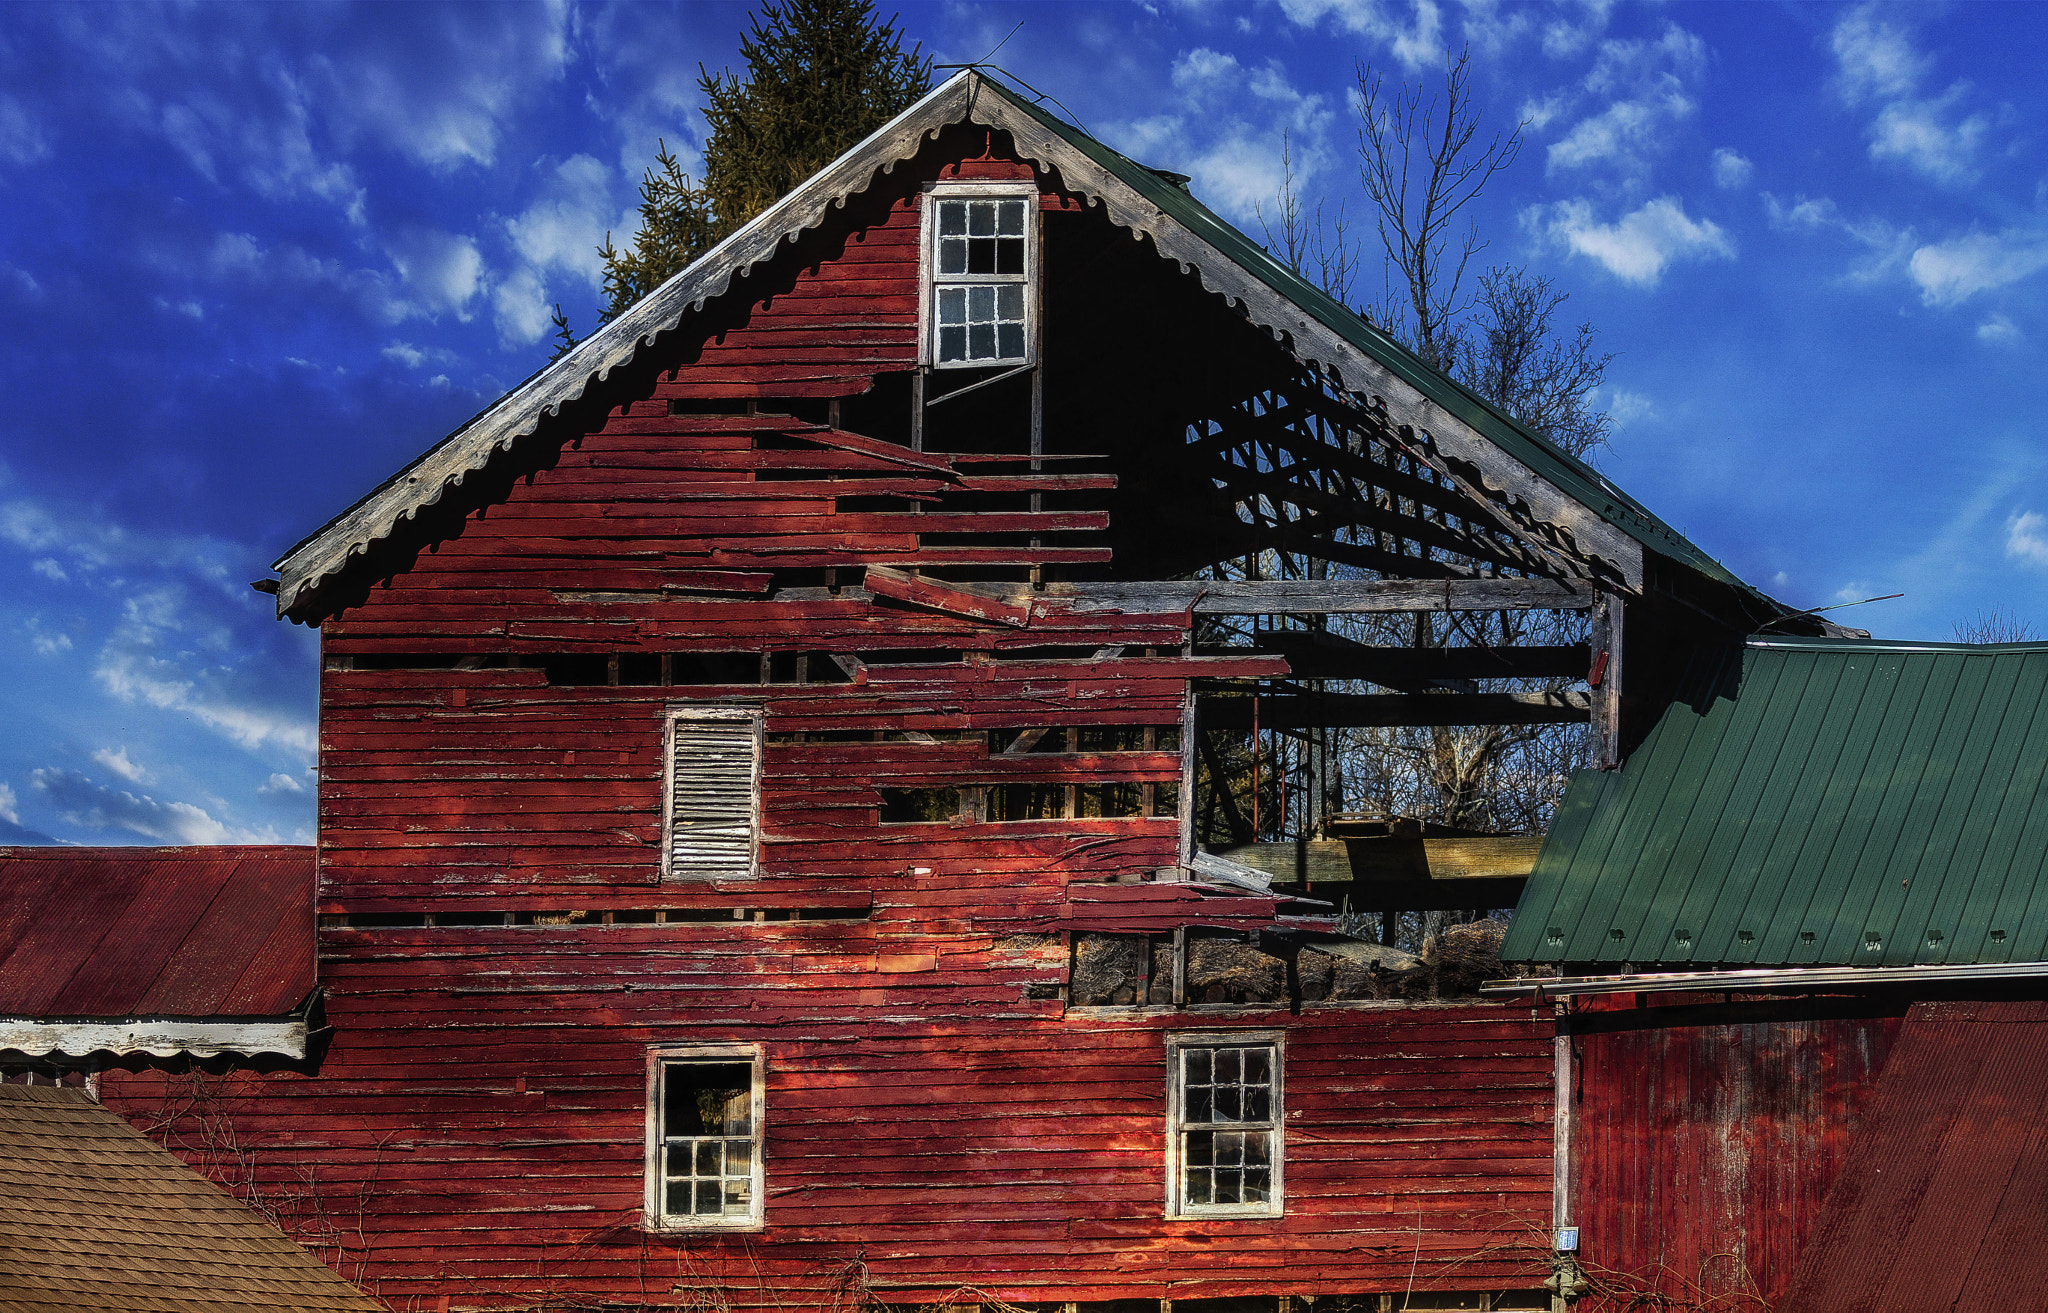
x,y
1940,1203
166,932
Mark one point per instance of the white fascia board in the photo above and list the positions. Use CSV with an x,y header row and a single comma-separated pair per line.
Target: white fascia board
x,y
161,1037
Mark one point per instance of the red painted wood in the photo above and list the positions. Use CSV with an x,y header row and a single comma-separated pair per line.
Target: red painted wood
x,y
1703,1148
472,1129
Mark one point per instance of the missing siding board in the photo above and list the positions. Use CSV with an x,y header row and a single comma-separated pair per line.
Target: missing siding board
x,y
713,772
1120,970
919,806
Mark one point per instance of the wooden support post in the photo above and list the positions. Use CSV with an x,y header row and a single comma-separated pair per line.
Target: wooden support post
x,y
1187,782
1604,679
1561,1140
917,411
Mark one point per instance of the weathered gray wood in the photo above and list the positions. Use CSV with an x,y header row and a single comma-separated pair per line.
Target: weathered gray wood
x,y
1224,871
1605,635
1302,711
1311,596
1314,655
1488,857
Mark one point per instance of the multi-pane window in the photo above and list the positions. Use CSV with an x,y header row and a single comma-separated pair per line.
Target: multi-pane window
x,y
982,243
704,1138
713,772
1224,1131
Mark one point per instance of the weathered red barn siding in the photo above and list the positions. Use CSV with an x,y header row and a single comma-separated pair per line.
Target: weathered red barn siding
x,y
480,1137
474,1130
1705,1137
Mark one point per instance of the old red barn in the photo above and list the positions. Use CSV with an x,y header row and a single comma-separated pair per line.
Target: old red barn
x,y
772,764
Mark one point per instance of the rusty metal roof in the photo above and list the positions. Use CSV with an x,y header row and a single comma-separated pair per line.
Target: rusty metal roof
x,y
93,1215
156,932
1939,1205
1813,802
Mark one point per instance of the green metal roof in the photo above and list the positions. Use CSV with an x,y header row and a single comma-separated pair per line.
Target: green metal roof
x,y
1813,802
1568,473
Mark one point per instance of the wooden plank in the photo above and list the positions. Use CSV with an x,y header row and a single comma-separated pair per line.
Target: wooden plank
x,y
1490,857
916,591
1312,655
1318,596
1303,711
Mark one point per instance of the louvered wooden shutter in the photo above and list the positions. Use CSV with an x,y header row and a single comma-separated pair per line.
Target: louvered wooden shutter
x,y
711,799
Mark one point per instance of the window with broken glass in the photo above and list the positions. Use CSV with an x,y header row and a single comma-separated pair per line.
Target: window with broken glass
x,y
981,255
1224,1129
704,1139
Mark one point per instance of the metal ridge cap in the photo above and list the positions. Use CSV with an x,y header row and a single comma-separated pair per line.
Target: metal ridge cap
x,y
1932,646
1755,979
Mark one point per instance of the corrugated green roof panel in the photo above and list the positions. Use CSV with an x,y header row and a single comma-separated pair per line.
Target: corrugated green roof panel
x,y
1568,473
1813,802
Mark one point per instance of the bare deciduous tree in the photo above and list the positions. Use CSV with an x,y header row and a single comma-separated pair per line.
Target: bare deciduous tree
x,y
1421,166
1997,625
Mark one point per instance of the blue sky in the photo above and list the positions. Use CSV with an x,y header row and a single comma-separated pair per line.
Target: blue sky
x,y
254,257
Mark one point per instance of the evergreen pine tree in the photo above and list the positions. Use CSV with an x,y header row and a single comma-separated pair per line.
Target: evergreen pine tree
x,y
820,76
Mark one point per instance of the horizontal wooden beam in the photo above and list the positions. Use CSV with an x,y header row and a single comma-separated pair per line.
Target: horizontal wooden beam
x,y
1330,656
1314,596
1410,875
1487,857
1303,711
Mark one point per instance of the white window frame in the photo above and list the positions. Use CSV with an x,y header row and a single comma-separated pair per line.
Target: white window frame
x,y
684,713
929,277
654,1213
1177,1205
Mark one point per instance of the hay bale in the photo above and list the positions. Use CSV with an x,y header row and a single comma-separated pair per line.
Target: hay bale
x,y
1228,971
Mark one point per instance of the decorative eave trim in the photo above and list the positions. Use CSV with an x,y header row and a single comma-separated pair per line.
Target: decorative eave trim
x,y
161,1037
965,97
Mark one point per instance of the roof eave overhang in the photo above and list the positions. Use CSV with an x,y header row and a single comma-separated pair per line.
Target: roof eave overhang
x,y
162,1037
967,97
1759,980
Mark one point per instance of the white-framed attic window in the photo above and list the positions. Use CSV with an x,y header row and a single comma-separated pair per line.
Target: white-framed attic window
x,y
705,1106
711,789
1224,1131
980,275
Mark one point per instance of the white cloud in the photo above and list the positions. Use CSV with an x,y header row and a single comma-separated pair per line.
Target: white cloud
x,y
565,227
1885,246
1876,63
83,802
1639,246
1626,408
1203,70
21,138
1951,272
49,568
522,307
2026,538
1229,142
1998,330
1639,88
10,806
1415,38
1732,171
1924,136
280,783
1873,57
405,353
116,760
444,270
166,684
